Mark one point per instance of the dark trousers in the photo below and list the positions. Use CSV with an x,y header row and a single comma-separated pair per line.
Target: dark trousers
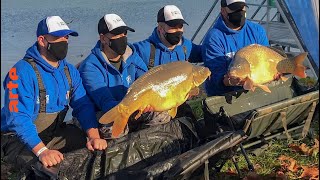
x,y
64,139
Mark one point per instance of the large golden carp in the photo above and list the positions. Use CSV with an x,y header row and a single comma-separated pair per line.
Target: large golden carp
x,y
163,88
256,65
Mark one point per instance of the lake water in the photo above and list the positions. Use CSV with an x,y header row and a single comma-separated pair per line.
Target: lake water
x,y
19,20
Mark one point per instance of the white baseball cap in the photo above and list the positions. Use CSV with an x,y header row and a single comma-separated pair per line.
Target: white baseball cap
x,y
55,26
112,23
233,4
171,15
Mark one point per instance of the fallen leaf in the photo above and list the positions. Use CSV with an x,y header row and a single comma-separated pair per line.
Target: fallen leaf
x,y
231,171
310,172
304,149
288,163
295,148
293,166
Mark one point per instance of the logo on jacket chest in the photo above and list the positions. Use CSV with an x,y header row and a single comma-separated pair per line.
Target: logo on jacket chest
x,y
129,80
230,55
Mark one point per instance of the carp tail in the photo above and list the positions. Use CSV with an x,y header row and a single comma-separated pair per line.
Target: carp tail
x,y
299,69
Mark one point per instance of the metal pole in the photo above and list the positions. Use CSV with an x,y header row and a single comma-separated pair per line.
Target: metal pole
x,y
268,19
204,20
209,29
255,13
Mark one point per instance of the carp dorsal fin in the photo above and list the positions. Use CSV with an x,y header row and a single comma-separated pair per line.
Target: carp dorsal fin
x,y
279,50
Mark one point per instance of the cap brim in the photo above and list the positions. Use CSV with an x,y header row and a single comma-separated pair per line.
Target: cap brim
x,y
63,33
121,29
237,5
175,22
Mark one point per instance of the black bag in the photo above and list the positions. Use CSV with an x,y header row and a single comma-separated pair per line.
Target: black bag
x,y
129,154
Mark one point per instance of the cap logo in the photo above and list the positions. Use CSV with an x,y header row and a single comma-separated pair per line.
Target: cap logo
x,y
62,23
117,20
113,21
55,23
173,13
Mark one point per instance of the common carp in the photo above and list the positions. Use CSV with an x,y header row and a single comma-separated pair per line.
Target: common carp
x,y
163,88
256,65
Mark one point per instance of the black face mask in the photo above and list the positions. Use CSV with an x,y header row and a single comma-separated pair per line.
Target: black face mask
x,y
58,49
237,18
119,45
173,38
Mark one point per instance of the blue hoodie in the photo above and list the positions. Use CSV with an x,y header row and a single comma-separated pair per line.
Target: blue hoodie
x,y
105,85
219,46
56,85
163,55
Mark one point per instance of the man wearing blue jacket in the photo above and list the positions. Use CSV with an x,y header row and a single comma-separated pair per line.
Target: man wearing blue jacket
x,y
38,90
111,68
167,43
230,33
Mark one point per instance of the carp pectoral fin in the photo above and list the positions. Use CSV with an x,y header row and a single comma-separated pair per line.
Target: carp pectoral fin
x,y
284,78
173,112
299,69
119,126
194,91
248,85
110,116
264,87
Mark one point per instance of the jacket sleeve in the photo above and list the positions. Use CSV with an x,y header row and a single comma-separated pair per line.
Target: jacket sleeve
x,y
141,67
20,120
96,87
143,49
195,55
83,108
215,59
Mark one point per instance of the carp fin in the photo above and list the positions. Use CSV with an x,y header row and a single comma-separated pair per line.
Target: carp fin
x,y
173,112
264,87
194,91
284,78
279,50
117,116
248,85
299,69
119,126
109,116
